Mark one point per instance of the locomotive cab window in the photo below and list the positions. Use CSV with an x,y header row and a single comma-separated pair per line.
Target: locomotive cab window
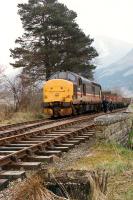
x,y
55,76
62,75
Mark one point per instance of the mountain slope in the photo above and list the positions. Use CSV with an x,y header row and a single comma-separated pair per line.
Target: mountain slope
x,y
110,50
118,75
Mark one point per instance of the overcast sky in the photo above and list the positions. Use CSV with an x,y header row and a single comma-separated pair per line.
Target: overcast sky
x,y
112,18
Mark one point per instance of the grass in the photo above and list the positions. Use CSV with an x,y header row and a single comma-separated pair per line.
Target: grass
x,y
22,117
109,156
129,194
130,139
115,159
32,188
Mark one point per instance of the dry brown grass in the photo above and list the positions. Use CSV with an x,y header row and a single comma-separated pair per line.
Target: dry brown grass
x,y
5,112
120,187
33,189
20,117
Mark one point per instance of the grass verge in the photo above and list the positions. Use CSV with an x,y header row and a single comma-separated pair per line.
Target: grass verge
x,y
22,117
115,159
130,140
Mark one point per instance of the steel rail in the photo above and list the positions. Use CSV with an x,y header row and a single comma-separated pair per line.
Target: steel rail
x,y
19,130
42,145
35,132
8,126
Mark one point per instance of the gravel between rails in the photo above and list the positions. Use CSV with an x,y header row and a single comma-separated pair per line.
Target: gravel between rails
x,y
72,155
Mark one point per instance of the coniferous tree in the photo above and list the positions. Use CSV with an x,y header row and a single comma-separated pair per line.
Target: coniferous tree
x,y
52,41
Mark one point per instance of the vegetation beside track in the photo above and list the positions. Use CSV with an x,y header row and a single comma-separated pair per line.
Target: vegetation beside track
x,y
17,117
130,140
118,161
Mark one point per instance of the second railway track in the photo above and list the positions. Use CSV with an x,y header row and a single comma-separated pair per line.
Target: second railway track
x,y
17,125
14,129
24,125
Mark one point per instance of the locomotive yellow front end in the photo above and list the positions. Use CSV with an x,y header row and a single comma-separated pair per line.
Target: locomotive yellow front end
x,y
57,97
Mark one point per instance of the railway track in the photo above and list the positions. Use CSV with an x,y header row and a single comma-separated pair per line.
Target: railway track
x,y
22,124
27,150
18,129
23,127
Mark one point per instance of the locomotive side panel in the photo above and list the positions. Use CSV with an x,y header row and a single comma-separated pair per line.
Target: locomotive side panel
x,y
89,93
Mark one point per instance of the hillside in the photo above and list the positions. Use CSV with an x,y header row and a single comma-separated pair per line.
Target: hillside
x,y
118,74
110,50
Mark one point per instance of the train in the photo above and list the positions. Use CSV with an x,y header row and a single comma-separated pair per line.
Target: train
x,y
67,93
117,100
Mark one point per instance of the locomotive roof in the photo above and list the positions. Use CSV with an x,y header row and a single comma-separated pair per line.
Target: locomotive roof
x,y
84,80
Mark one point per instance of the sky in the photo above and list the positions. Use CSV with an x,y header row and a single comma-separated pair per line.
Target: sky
x,y
110,18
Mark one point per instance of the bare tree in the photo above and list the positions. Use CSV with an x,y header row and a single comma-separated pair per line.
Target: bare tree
x,y
19,93
18,90
2,93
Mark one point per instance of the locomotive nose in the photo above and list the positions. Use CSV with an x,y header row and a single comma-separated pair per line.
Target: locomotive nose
x,y
58,90
57,97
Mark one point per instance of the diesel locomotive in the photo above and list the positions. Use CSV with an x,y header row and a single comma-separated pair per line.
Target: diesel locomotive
x,y
67,93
